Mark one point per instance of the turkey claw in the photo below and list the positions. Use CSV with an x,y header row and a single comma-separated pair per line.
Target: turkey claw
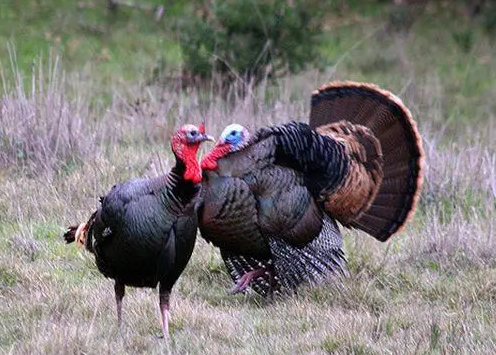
x,y
245,280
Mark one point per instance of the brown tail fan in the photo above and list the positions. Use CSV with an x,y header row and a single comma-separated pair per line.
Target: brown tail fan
x,y
393,201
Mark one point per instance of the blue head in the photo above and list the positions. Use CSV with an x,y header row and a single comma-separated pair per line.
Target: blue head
x,y
235,136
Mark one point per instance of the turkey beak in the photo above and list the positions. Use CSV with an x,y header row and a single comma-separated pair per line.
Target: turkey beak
x,y
206,137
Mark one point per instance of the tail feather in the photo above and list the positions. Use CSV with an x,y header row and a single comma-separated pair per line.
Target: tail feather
x,y
80,233
391,123
70,235
398,169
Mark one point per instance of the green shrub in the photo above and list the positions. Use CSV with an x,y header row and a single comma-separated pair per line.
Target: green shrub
x,y
250,39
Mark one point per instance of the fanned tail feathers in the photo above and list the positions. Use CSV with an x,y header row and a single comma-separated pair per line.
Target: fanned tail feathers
x,y
370,109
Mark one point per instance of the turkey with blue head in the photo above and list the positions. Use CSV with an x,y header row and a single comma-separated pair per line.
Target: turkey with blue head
x,y
271,200
144,231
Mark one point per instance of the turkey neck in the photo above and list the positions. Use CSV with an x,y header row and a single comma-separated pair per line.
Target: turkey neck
x,y
175,187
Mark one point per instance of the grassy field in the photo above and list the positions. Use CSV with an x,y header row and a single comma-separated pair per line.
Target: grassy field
x,y
72,127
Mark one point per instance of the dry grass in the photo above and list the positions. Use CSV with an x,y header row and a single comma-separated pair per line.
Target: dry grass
x,y
431,290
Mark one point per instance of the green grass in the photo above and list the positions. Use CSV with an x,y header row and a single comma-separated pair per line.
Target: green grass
x,y
115,48
430,290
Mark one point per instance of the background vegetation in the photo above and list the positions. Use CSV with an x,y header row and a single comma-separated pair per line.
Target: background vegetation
x,y
90,96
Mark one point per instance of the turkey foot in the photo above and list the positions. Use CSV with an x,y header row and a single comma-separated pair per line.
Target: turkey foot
x,y
246,279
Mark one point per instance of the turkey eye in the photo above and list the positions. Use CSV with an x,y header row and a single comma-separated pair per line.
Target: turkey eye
x,y
233,133
193,133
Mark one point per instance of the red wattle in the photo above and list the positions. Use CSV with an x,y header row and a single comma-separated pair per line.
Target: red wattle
x,y
193,171
209,162
193,174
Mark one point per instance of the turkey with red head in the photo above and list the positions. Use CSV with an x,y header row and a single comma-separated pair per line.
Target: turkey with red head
x,y
144,231
271,200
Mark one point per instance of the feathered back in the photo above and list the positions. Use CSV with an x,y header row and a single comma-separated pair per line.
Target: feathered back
x,y
393,160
